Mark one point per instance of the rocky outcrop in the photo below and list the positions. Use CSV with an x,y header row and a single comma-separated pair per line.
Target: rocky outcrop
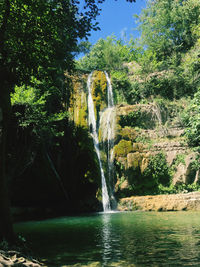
x,y
173,202
14,258
144,131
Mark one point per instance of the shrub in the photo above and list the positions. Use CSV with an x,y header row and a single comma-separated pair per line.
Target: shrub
x,y
158,170
123,148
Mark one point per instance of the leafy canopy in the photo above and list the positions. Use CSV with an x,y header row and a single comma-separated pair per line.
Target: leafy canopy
x,y
108,54
167,26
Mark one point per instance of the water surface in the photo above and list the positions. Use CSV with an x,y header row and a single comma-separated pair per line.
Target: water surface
x,y
117,239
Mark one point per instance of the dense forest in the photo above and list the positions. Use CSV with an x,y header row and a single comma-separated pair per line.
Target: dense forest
x,y
46,159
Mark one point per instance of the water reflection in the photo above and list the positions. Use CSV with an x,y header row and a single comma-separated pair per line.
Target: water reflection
x,y
106,237
110,240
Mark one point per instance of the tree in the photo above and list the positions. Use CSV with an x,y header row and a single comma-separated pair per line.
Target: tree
x,y
167,26
108,54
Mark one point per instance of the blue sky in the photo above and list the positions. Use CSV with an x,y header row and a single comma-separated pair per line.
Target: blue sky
x,y
117,17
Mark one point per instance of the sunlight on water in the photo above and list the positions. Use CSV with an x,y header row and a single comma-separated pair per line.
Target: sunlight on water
x,y
117,239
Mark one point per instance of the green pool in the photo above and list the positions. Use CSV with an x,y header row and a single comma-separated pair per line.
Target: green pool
x,y
117,239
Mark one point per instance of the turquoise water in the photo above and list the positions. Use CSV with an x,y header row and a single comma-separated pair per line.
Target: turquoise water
x,y
117,239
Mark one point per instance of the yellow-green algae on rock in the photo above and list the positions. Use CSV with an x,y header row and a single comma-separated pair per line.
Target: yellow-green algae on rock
x,y
99,91
123,148
78,99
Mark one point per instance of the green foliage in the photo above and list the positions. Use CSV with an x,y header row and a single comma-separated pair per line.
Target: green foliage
x,y
132,119
121,86
125,91
107,54
123,148
156,173
167,26
35,114
169,64
180,159
178,189
191,119
149,62
158,170
27,95
170,84
155,178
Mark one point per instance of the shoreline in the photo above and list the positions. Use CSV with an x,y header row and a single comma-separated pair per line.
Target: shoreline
x,y
172,202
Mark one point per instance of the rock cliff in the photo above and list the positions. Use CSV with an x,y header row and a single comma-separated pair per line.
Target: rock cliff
x,y
144,131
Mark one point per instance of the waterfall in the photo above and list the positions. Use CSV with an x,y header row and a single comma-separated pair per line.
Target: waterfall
x,y
110,93
107,127
94,133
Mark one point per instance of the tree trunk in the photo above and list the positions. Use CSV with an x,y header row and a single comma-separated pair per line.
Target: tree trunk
x,y
6,229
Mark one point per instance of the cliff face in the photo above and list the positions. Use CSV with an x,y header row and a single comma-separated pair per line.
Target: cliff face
x,y
143,132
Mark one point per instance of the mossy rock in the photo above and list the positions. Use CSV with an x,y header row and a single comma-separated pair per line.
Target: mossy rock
x,y
129,133
134,160
138,147
123,148
78,101
99,90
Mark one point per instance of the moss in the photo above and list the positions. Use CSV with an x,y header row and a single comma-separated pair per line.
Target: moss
x,y
78,101
99,90
81,111
135,160
128,133
123,148
138,147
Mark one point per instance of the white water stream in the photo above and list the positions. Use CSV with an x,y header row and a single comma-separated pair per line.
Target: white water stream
x,y
94,133
107,127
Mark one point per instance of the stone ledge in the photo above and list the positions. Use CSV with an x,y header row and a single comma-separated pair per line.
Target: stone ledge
x,y
173,202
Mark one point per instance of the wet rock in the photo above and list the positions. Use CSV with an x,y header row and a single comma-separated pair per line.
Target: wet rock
x,y
13,258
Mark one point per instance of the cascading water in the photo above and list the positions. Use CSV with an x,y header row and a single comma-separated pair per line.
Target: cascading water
x,y
93,130
110,93
107,126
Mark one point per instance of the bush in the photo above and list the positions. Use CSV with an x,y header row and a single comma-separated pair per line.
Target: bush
x,y
157,175
123,148
132,119
158,170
